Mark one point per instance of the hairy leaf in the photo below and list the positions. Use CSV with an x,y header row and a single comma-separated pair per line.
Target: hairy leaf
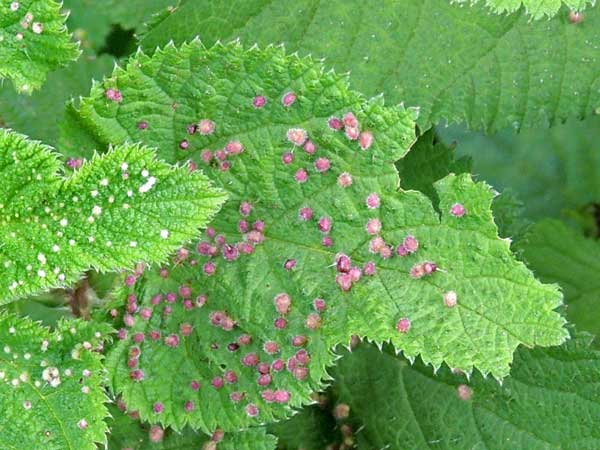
x,y
38,115
550,170
551,400
455,63
120,208
262,248
33,41
51,393
127,433
536,8
560,255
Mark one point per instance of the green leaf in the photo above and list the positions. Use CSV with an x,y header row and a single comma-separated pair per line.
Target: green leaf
x,y
313,428
455,63
134,14
550,401
551,171
120,208
536,8
90,22
127,433
38,115
501,305
560,255
427,162
51,393
33,41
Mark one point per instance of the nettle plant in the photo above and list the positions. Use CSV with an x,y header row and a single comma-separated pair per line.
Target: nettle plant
x,y
238,250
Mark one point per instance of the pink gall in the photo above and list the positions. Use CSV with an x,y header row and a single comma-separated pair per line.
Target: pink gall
x,y
297,136
305,214
114,95
282,302
289,264
288,99
458,210
322,165
206,127
352,133
344,180
450,299
403,325
310,147
287,158
324,224
365,140
373,226
464,392
259,101
301,175
344,281
373,201
234,148
209,269
335,123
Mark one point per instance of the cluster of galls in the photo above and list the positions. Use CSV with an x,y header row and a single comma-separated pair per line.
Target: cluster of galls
x,y
253,234
349,274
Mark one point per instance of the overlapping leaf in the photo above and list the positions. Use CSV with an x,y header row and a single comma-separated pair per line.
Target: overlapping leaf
x,y
455,63
51,393
551,400
33,41
38,115
178,345
551,170
127,433
558,254
119,209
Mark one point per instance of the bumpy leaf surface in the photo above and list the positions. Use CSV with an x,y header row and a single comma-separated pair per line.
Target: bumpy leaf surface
x,y
39,114
551,400
51,393
550,170
560,255
127,433
33,41
455,63
261,247
118,209
536,8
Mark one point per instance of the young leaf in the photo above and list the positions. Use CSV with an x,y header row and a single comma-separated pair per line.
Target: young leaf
x,y
536,8
300,194
33,41
550,170
550,400
127,433
119,208
51,393
558,254
455,63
